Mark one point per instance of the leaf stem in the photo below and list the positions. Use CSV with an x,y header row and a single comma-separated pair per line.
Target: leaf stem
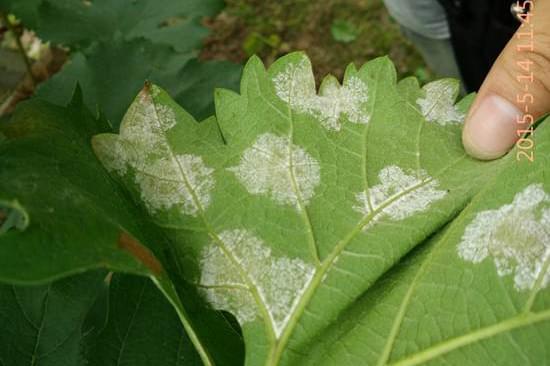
x,y
7,221
173,298
20,47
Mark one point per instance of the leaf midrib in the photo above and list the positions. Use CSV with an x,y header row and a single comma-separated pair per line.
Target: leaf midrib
x,y
250,282
444,347
396,326
205,356
289,116
41,326
423,120
327,263
130,324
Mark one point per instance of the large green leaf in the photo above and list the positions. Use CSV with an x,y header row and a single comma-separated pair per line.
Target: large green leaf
x,y
297,202
476,294
315,218
60,214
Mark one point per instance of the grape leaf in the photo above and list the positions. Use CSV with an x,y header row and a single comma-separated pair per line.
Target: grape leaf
x,y
292,203
476,294
66,323
43,325
142,328
77,219
123,66
50,176
288,209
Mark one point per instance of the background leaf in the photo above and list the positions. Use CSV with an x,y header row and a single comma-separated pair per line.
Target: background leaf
x,y
77,23
117,46
77,214
43,325
91,319
80,23
80,220
343,31
142,328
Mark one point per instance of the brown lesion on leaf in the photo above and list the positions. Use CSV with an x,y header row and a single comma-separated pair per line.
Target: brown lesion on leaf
x,y
140,252
145,92
3,217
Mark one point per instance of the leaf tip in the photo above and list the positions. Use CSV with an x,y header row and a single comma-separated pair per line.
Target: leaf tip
x,y
328,82
380,67
253,61
351,70
77,98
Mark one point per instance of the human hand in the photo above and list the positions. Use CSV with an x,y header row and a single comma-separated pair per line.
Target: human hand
x,y
504,99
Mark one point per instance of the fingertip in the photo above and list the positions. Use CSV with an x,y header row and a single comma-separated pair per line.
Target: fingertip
x,y
477,151
490,131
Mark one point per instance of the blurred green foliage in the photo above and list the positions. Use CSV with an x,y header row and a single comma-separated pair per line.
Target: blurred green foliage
x,y
343,31
116,46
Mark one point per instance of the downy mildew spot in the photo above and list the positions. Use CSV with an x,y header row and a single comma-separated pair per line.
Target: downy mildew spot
x,y
402,194
296,86
274,166
165,179
438,104
516,237
244,274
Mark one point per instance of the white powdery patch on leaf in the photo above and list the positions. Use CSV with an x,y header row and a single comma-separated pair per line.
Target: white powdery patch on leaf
x,y
165,180
516,236
275,166
167,117
296,86
228,273
162,187
438,104
398,195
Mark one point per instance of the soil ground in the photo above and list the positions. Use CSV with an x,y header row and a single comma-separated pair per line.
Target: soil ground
x,y
271,28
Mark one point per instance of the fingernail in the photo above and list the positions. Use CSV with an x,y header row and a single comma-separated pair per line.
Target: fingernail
x,y
491,129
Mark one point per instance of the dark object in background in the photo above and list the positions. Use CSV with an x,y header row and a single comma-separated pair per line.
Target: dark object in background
x,y
479,31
